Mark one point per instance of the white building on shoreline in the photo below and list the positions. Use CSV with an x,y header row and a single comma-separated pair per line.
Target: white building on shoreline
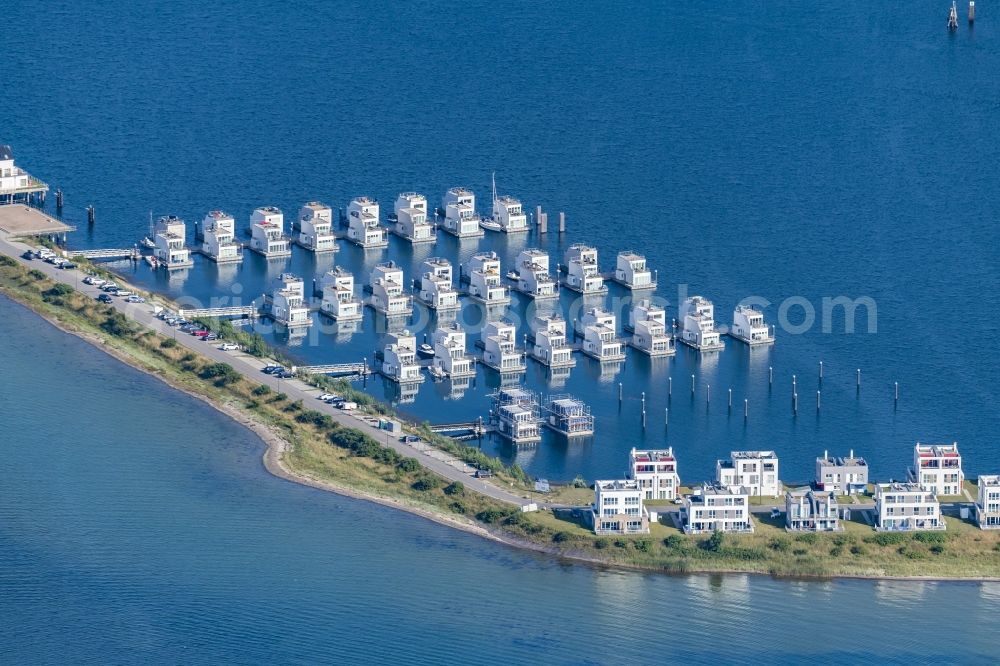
x,y
844,475
267,233
938,468
618,508
716,507
656,473
219,238
399,359
988,502
316,228
449,352
754,471
808,510
906,506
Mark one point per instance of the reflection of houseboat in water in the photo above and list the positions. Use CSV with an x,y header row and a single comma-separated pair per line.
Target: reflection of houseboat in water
x,y
568,416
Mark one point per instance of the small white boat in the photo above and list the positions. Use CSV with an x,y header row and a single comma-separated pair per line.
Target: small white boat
x,y
426,349
147,243
513,275
490,224
436,372
151,260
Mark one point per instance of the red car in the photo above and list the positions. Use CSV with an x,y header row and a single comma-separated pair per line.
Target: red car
x,y
201,333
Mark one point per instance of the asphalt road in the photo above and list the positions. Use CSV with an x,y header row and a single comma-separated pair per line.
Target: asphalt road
x,y
250,367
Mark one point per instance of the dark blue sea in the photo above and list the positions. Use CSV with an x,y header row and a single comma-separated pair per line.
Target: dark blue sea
x,y
792,152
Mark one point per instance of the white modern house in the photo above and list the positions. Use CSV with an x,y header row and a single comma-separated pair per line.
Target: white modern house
x,y
363,228
500,350
449,352
508,215
843,475
316,228
399,359
460,217
749,326
169,249
906,506
533,277
485,283
697,316
656,472
218,232
988,502
938,468
516,413
582,272
808,510
287,301
16,184
409,220
550,347
649,329
388,290
435,289
631,271
754,471
716,507
600,339
267,233
619,508
339,302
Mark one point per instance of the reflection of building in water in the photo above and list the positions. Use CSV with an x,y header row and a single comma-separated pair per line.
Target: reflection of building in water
x,y
899,593
400,393
557,376
458,386
343,330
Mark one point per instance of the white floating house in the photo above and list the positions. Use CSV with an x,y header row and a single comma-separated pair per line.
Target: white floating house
x,y
582,272
267,233
698,325
550,347
388,286
500,350
169,248
533,277
362,224
218,238
631,271
568,416
409,221
316,228
399,359
508,215
436,289
749,326
460,217
339,301
287,301
649,329
516,413
483,272
449,352
600,341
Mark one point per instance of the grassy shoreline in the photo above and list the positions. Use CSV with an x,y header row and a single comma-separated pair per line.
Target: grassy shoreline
x,y
305,447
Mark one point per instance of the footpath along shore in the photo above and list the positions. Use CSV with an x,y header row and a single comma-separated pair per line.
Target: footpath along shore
x,y
250,367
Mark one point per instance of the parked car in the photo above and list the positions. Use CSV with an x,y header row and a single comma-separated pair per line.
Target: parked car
x,y
271,369
105,298
28,254
284,374
67,265
483,474
229,346
410,439
336,401
326,396
211,337
109,286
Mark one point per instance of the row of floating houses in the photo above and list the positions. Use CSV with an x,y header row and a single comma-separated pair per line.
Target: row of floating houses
x,y
724,504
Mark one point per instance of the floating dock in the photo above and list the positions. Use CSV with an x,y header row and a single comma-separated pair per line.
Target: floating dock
x,y
19,220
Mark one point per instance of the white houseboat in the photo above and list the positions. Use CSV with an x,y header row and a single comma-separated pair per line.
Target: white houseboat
x,y
449,352
649,329
363,228
287,301
568,416
485,283
698,325
339,302
517,415
409,219
315,228
533,278
631,271
218,233
550,346
500,350
600,340
168,238
435,285
582,272
388,290
749,326
267,233
508,215
399,359
460,217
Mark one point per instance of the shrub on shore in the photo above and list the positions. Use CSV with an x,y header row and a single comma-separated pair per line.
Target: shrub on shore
x,y
223,374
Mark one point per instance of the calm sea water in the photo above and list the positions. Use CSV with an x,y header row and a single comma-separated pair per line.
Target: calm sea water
x,y
138,525
778,150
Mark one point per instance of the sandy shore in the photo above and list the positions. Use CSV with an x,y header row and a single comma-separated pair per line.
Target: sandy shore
x,y
274,462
